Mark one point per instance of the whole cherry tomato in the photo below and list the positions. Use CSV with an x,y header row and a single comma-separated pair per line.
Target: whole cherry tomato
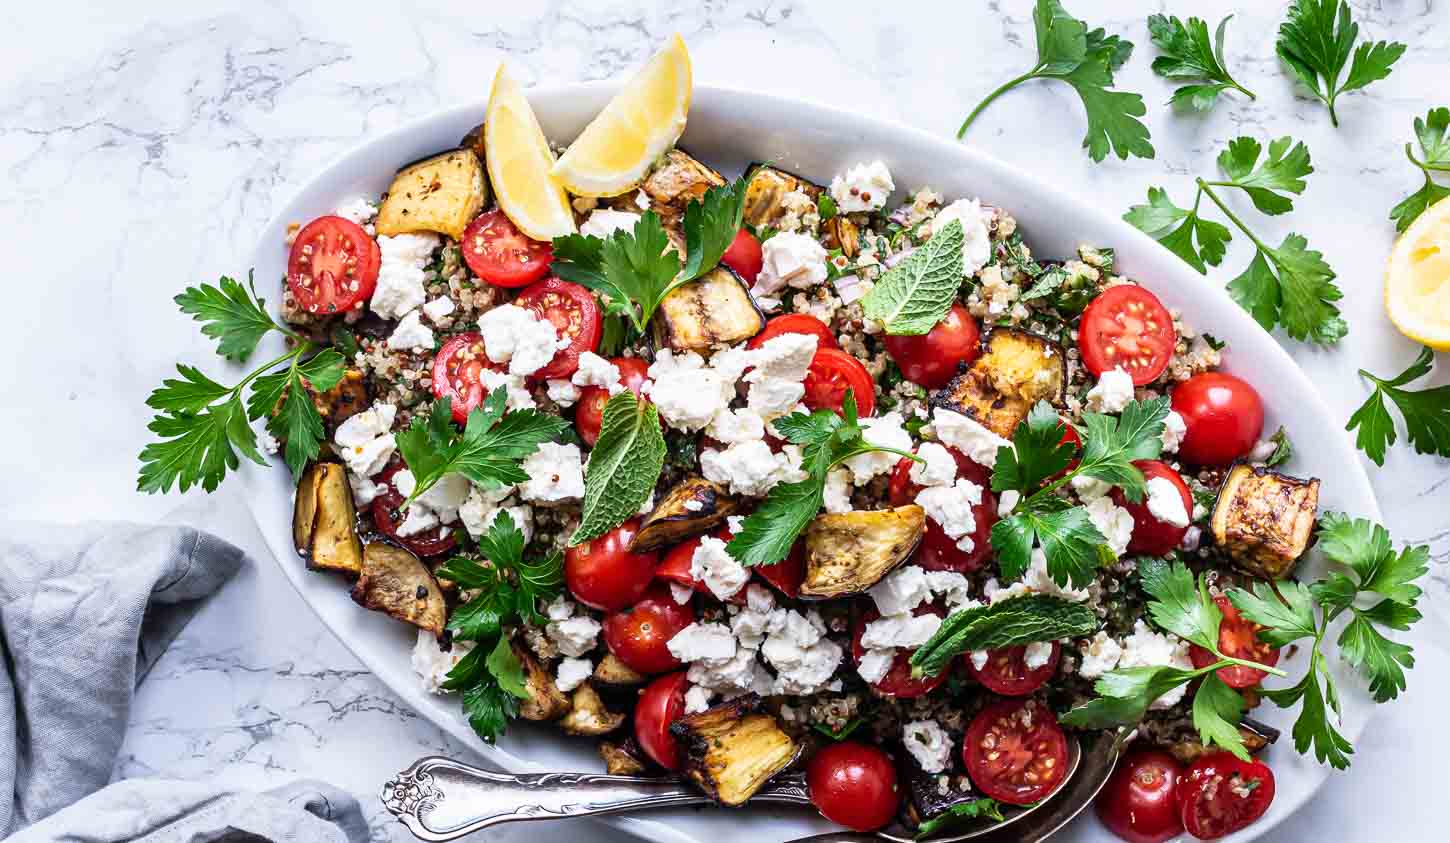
x,y
853,784
604,574
640,635
1152,537
1222,418
1140,801
933,358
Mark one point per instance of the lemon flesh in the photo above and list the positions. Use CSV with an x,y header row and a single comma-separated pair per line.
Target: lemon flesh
x,y
519,161
1417,280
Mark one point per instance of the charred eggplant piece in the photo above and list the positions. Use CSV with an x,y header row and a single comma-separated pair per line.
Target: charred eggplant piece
x,y
588,716
678,180
622,759
928,796
397,583
474,141
616,674
1256,737
324,520
546,702
1264,519
848,552
731,751
1016,370
765,203
712,311
347,398
839,232
692,507
443,193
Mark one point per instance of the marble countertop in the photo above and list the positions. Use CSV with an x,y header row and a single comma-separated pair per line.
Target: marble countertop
x,y
145,144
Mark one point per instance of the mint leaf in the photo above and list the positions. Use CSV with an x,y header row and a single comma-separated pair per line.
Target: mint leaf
x,y
1426,413
979,808
913,296
1282,171
623,466
229,313
1007,623
1187,54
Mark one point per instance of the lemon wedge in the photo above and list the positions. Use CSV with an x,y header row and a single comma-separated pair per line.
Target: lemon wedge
x,y
1417,280
614,152
519,160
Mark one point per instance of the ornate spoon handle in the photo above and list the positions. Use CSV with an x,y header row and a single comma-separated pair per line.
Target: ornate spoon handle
x,y
441,799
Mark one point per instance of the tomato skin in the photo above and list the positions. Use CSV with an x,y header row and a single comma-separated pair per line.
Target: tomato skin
x,y
745,256
938,551
639,636
502,255
898,681
661,703
589,412
332,266
1152,537
795,323
1019,748
832,372
1207,803
787,574
1237,637
1223,417
603,574
854,785
387,518
1126,327
676,565
1006,670
932,359
1140,801
457,370
574,313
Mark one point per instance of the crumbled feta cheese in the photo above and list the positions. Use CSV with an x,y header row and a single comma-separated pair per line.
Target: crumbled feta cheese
x,y
1112,392
1173,432
442,498
928,743
1100,654
688,398
400,273
700,641
574,636
1036,581
597,371
364,490
358,210
790,259
804,659
519,338
903,630
516,389
838,490
864,187
980,658
732,426
901,591
438,308
1165,502
732,676
939,468
1090,488
605,221
751,468
697,699
411,334
432,663
977,238
1008,502
771,398
1262,450
481,509
556,473
875,664
952,587
681,594
562,392
1148,648
1191,538
364,441
717,569
572,673
884,432
968,436
1114,522
1037,654
951,507
786,356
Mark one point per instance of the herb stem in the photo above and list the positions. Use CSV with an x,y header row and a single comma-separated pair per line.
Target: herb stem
x,y
1425,165
1204,187
1225,661
303,346
1031,74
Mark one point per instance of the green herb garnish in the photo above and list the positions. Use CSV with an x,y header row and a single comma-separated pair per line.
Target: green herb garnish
x,y
1188,54
913,296
1315,40
623,466
975,809
1007,623
1426,413
1433,134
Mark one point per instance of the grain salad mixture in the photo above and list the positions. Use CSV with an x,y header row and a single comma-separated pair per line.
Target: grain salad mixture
x,y
735,477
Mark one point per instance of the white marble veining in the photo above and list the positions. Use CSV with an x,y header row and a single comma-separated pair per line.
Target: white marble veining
x,y
143,146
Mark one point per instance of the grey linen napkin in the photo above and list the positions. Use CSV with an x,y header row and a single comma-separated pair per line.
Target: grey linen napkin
x,y
85,610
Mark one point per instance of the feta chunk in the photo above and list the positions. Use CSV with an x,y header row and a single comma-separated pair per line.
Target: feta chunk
x,y
977,236
1112,392
1008,502
605,221
1037,654
516,389
689,398
751,468
365,442
411,334
574,636
804,659
481,509
700,641
928,743
968,436
597,371
556,473
790,259
1148,648
562,392
358,210
732,426
884,432
864,187
951,507
438,308
838,490
1114,522
901,591
717,569
1165,502
572,673
939,468
1100,654
517,337
400,273
875,664
1174,430
697,699
903,630
432,663
1036,581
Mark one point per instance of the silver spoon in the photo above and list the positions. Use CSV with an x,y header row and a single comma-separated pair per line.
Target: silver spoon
x,y
441,799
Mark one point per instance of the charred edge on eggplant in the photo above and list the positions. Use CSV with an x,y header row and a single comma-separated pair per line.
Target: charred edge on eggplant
x,y
1016,370
673,520
731,750
324,520
588,716
347,398
622,759
1264,520
397,583
443,193
679,179
545,702
712,311
848,552
614,673
765,192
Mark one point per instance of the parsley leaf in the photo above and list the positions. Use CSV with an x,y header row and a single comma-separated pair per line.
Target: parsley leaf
x,y
1086,60
1293,287
1037,453
1007,623
982,807
1426,413
1111,445
710,227
1200,242
1187,54
197,448
229,313
1125,694
623,466
1179,605
489,451
1217,710
292,417
1433,133
1073,546
633,270
913,296
489,708
1283,448
1282,171
1315,40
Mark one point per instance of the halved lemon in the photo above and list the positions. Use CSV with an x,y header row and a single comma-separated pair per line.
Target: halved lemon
x,y
614,152
519,160
1417,280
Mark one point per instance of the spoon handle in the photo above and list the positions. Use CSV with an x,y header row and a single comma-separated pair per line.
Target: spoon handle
x,y
441,799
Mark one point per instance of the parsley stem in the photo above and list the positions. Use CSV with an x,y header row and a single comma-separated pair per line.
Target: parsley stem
x,y
1031,74
1204,186
1225,661
303,346
1425,165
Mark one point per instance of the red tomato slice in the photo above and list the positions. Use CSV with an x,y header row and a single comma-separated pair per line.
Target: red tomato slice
x,y
1152,537
898,681
1006,670
1221,794
832,372
1140,801
745,256
640,635
795,323
457,373
1237,637
938,551
574,313
932,359
333,266
388,518
500,254
589,412
676,565
661,703
1223,417
787,574
1015,752
602,573
853,784
1127,328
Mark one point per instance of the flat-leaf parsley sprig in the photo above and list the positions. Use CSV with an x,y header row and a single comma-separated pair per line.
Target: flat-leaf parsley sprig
x,y
1315,40
204,424
1426,413
1433,133
1187,54
1068,52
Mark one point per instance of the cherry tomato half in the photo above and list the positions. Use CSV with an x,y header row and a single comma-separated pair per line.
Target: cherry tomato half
x,y
333,266
574,313
787,574
1237,637
745,256
854,785
1127,328
604,574
500,254
1152,537
938,551
458,373
661,703
388,517
1221,794
589,412
795,323
1006,671
832,372
1222,418
1140,801
898,681
675,567
932,359
639,636
1015,752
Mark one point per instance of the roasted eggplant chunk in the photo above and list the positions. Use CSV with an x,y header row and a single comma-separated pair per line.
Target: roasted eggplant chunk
x,y
396,582
693,506
765,203
324,521
1016,370
675,182
443,193
1264,519
840,233
347,398
622,759
588,716
546,702
733,749
930,795
848,552
616,674
1256,736
712,311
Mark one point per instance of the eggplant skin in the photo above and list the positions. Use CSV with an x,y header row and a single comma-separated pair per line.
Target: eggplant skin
x,y
731,750
622,759
1017,369
324,520
546,702
1188,750
840,233
848,552
614,673
587,715
765,193
678,180
397,583
674,519
712,311
1264,520
347,398
443,194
